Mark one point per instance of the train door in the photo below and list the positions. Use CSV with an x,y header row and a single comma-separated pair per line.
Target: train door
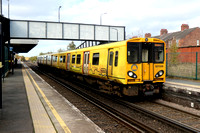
x,y
110,63
46,60
147,62
58,61
51,60
68,61
86,62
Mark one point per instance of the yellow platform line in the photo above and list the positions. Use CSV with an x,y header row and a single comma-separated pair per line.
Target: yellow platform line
x,y
182,84
41,121
57,116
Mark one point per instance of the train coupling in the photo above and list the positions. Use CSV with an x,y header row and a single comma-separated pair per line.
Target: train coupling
x,y
148,89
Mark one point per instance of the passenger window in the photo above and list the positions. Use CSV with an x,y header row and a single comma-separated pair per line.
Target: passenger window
x,y
64,59
111,59
95,60
56,59
78,61
73,58
116,58
61,59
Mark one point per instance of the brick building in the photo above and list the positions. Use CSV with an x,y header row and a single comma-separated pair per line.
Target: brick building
x,y
187,40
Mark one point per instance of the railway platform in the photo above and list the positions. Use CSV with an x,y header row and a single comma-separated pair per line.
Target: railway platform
x,y
182,92
182,85
31,105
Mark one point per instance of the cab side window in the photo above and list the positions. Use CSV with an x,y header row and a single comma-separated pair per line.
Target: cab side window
x,y
95,60
78,61
73,59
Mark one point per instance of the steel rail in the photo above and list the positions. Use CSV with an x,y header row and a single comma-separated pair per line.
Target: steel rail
x,y
172,122
169,121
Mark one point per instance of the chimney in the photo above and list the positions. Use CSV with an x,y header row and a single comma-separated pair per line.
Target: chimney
x,y
184,27
134,36
163,32
147,35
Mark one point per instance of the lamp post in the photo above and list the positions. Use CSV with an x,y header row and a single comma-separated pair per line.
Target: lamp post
x,y
0,7
59,13
101,17
117,32
8,9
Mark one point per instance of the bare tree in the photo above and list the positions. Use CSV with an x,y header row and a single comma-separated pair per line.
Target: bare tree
x,y
61,50
71,46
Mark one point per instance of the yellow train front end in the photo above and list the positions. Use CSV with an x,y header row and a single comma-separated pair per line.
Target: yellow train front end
x,y
146,68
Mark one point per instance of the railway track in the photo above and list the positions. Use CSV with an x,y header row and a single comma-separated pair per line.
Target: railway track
x,y
182,118
179,119
128,120
132,124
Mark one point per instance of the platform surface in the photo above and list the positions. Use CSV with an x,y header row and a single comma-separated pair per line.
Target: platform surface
x,y
183,85
15,115
32,105
184,81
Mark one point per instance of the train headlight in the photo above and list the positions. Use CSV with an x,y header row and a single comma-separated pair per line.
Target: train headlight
x,y
132,74
160,73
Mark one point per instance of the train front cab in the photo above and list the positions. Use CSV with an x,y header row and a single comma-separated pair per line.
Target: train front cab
x,y
145,66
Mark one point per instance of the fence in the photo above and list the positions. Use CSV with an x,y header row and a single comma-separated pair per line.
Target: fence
x,y
183,64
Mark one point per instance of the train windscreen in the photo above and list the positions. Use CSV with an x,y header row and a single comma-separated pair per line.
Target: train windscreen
x,y
158,53
145,52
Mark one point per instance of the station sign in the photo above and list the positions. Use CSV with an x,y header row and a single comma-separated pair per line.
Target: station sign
x,y
11,48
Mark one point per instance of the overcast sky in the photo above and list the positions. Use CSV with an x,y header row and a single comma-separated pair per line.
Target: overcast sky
x,y
138,16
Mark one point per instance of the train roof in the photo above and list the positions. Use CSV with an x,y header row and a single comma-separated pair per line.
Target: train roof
x,y
113,44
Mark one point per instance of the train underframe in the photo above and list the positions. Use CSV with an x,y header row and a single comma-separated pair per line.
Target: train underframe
x,y
111,87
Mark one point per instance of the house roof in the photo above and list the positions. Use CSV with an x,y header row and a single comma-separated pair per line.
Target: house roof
x,y
177,35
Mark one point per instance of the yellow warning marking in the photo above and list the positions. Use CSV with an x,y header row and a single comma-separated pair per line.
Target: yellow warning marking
x,y
57,116
182,84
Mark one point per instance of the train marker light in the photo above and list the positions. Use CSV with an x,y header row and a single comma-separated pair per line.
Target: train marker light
x,y
160,73
156,75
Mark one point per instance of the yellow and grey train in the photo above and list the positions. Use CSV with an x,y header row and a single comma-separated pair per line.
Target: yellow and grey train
x,y
127,68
